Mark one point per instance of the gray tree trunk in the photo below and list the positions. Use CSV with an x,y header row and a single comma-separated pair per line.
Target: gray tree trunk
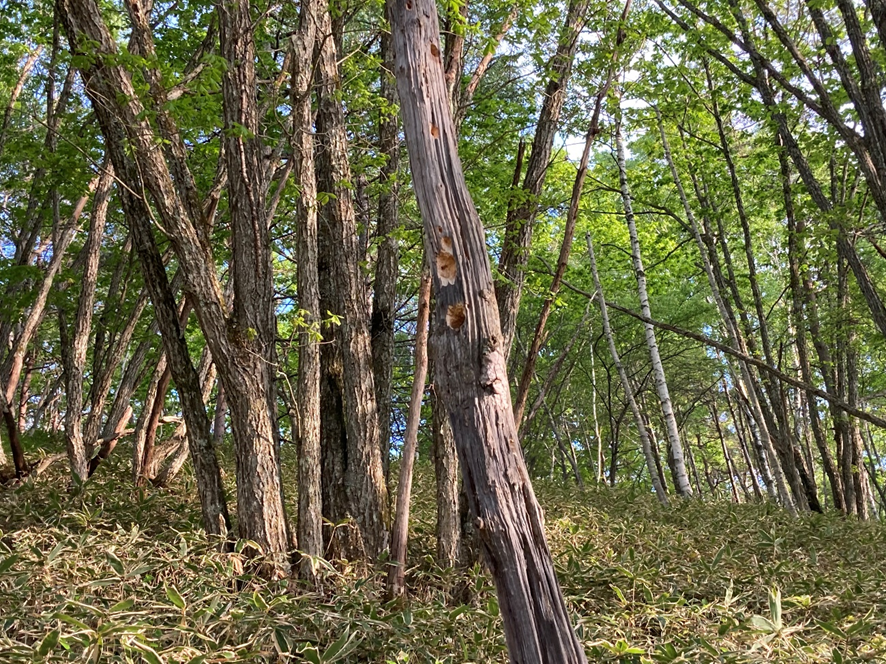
x,y
678,469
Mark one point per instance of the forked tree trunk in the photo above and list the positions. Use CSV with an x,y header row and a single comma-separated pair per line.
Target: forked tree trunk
x,y
470,354
79,450
396,584
242,343
645,442
678,469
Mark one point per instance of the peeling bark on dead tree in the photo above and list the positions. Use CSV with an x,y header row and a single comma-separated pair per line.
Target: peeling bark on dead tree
x,y
470,354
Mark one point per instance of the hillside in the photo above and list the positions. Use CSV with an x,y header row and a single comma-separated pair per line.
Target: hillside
x,y
112,574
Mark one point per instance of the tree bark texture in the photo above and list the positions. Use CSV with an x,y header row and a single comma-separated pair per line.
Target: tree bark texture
x,y
448,528
678,469
470,354
309,531
79,450
364,476
238,343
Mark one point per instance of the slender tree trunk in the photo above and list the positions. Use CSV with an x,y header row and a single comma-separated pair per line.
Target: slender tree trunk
x,y
802,486
15,92
738,425
384,302
396,583
554,372
79,451
262,516
681,479
796,251
730,467
218,417
521,217
309,531
744,378
562,263
15,443
470,354
140,440
12,365
243,342
642,431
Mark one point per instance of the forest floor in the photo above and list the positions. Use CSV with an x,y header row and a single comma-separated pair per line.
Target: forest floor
x,y
108,573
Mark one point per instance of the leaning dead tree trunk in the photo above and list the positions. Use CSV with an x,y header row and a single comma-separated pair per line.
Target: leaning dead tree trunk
x,y
470,354
678,467
645,442
397,571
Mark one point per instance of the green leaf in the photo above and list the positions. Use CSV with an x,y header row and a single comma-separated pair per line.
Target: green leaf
x,y
125,605
48,643
762,624
115,562
775,607
281,642
173,596
8,562
346,643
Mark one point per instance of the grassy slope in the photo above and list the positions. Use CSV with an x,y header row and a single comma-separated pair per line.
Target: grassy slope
x,y
118,575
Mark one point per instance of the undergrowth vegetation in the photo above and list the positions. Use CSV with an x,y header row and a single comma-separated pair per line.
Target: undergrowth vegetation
x,y
108,573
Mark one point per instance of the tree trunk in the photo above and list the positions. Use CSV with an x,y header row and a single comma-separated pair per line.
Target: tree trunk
x,y
446,475
568,233
243,343
744,378
12,365
309,532
396,583
384,301
364,476
470,354
79,451
681,478
521,217
642,431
